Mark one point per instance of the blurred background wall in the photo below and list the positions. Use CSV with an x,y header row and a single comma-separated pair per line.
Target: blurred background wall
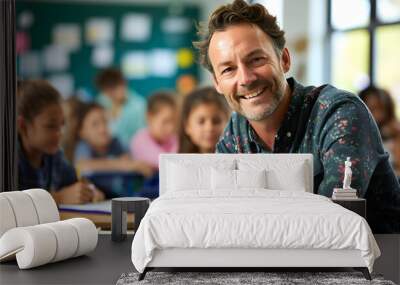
x,y
350,44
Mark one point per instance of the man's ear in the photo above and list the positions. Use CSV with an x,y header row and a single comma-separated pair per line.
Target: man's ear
x,y
285,60
216,85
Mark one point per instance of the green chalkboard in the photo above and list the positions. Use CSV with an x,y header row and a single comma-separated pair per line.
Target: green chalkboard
x,y
47,15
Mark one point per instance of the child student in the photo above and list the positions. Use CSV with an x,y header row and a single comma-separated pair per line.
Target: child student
x,y
125,109
159,136
96,149
41,163
204,116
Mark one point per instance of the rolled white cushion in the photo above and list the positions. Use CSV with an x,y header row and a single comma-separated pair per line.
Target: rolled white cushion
x,y
87,235
41,244
33,245
45,205
23,208
66,238
7,218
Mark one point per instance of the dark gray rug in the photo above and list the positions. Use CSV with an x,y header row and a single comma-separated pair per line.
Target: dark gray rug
x,y
230,278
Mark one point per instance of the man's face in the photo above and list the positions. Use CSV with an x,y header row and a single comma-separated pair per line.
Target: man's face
x,y
248,71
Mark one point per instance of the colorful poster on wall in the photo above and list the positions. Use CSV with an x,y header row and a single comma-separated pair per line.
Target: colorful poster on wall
x,y
136,28
135,65
68,36
55,58
176,25
99,30
30,64
22,42
163,63
102,56
25,20
185,57
64,83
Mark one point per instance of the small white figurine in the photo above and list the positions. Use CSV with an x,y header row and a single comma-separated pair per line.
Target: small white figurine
x,y
347,174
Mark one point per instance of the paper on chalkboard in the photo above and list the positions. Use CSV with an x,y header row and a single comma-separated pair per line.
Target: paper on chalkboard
x,y
135,65
163,63
136,27
68,36
64,83
55,58
99,30
102,56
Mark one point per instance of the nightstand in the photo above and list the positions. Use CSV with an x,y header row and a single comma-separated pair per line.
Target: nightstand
x,y
358,205
119,208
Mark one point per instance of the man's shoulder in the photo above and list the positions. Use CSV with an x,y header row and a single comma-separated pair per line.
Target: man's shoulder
x,y
332,95
331,98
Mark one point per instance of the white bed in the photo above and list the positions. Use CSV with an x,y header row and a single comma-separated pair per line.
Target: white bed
x,y
247,210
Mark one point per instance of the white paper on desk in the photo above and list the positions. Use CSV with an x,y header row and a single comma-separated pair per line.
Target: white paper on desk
x,y
99,30
55,58
64,83
104,207
135,65
136,27
67,36
163,63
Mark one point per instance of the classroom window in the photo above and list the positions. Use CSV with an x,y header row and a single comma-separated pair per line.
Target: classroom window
x,y
364,37
350,59
345,17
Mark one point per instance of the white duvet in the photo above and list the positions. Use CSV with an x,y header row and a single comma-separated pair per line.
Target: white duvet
x,y
257,218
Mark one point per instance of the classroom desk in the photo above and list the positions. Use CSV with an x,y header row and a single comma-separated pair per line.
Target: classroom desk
x,y
102,266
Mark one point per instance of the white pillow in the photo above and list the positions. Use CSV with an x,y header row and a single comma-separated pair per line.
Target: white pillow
x,y
290,174
222,179
293,180
251,178
183,177
190,175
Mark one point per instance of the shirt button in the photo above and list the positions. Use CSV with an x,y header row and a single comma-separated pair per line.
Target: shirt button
x,y
288,134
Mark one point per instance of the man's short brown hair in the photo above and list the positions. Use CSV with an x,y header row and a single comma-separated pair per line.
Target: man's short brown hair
x,y
109,78
237,13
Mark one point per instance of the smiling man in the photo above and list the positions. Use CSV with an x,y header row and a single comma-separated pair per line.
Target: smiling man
x,y
244,49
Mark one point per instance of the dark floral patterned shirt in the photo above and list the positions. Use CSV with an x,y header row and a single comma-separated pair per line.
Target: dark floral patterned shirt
x,y
331,124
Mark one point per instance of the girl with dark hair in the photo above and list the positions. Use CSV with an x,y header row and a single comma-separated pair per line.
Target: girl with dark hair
x,y
203,118
96,149
41,163
382,108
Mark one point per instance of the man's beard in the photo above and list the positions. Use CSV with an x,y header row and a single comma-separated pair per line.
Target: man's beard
x,y
276,99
